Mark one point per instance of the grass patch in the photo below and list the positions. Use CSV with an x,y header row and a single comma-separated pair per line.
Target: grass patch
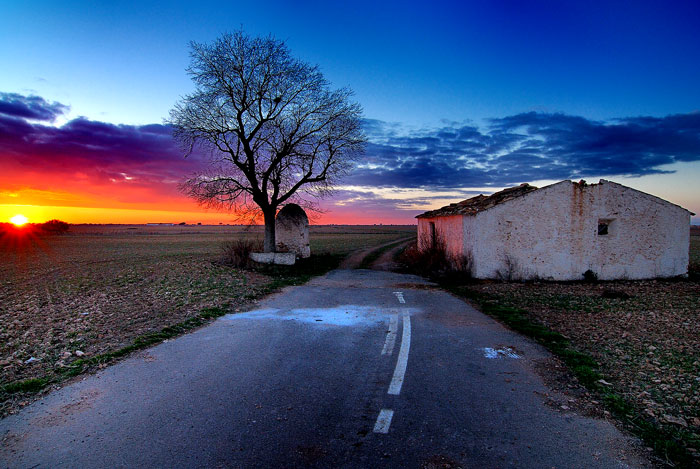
x,y
26,385
299,273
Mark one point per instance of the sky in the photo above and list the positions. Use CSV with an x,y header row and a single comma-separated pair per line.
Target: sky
x,y
459,98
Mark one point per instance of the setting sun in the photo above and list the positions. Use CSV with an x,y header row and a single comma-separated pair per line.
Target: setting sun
x,y
19,220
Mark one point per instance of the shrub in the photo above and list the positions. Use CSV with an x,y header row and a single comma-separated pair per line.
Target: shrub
x,y
236,253
435,262
694,270
54,227
510,270
590,277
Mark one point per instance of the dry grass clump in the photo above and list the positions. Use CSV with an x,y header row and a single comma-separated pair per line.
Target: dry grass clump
x,y
435,262
236,253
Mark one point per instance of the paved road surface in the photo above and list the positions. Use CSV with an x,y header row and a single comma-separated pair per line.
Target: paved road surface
x,y
356,369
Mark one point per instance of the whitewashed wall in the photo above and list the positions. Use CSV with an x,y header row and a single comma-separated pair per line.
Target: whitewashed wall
x,y
552,233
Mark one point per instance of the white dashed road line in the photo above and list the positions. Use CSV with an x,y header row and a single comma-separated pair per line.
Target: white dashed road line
x,y
385,415
383,421
391,335
402,362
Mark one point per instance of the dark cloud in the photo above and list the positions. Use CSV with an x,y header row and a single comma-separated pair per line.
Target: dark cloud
x,y
30,107
510,150
105,152
526,147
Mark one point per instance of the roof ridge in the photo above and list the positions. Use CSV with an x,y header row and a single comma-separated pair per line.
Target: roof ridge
x,y
480,202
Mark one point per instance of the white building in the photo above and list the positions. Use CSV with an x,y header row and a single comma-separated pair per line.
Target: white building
x,y
558,232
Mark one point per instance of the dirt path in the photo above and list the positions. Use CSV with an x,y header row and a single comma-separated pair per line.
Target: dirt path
x,y
386,260
354,260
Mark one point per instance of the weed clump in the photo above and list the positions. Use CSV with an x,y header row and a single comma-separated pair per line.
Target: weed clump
x,y
590,277
436,262
615,294
27,385
236,253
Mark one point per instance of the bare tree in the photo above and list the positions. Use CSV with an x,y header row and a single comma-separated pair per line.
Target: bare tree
x,y
275,130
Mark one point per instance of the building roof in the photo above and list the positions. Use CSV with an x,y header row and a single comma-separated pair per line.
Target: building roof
x,y
479,203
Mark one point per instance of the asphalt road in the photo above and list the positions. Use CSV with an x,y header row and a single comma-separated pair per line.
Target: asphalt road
x,y
355,369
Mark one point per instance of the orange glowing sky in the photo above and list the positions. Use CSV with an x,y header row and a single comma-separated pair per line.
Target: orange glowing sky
x,y
74,198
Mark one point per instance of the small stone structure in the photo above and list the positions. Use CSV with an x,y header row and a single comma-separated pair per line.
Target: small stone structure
x,y
292,231
278,258
559,232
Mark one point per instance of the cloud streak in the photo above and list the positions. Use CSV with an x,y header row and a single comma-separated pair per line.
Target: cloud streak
x,y
526,147
30,107
133,164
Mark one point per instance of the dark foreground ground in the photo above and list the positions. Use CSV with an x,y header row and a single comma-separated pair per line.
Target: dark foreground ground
x,y
355,369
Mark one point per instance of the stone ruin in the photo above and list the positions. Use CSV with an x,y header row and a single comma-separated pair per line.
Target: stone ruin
x,y
292,231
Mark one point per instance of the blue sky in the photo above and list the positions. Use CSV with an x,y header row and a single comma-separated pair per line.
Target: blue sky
x,y
416,67
412,62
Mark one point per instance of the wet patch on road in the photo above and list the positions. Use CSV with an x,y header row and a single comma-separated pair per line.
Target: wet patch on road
x,y
499,352
345,315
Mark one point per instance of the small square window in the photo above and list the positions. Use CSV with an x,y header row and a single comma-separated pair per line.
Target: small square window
x,y
606,226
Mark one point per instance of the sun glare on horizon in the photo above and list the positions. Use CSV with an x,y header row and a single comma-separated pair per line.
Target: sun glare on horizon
x,y
19,220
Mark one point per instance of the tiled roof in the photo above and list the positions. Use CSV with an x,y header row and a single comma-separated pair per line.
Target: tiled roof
x,y
480,202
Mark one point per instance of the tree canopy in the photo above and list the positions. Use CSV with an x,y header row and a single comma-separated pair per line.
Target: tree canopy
x,y
274,128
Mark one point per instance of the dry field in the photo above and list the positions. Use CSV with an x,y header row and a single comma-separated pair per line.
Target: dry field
x,y
644,334
97,289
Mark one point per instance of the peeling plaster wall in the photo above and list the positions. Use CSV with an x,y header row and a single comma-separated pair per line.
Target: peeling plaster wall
x,y
552,234
448,229
424,233
648,237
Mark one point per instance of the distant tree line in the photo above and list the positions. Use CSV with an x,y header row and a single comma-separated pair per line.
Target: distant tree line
x,y
51,227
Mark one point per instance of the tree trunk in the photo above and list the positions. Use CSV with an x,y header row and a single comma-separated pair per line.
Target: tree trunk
x,y
270,245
